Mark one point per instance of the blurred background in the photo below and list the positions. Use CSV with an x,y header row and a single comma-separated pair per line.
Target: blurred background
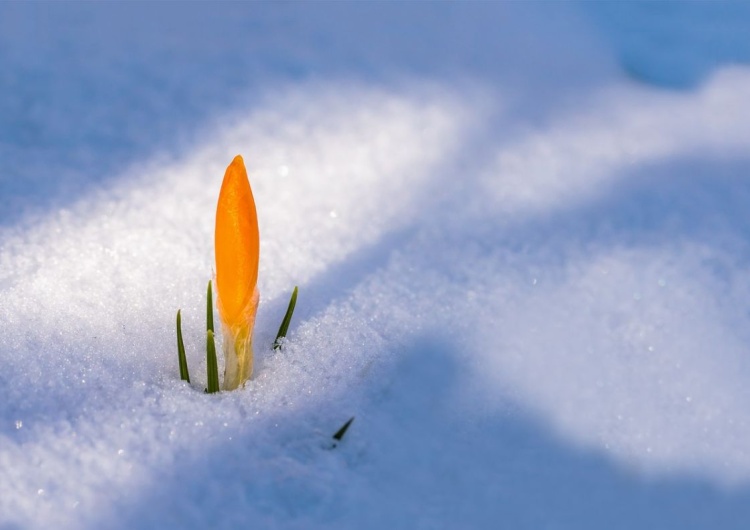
x,y
89,87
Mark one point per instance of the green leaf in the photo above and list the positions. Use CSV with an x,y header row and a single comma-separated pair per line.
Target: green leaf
x,y
212,368
210,307
287,319
342,431
184,375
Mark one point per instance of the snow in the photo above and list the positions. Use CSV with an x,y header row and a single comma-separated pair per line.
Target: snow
x,y
522,258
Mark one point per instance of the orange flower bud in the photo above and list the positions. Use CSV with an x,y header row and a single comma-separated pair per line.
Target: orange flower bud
x,y
237,248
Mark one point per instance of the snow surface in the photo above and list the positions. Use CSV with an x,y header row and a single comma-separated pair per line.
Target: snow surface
x,y
519,230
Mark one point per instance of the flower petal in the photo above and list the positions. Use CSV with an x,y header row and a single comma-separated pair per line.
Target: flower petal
x,y
237,246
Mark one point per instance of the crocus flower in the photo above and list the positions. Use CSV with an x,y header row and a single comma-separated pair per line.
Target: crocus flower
x,y
237,247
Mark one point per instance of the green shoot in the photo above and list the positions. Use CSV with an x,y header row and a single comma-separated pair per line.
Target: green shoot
x,y
210,308
342,431
184,375
212,368
287,319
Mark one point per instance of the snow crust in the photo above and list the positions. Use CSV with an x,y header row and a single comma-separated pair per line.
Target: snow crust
x,y
522,269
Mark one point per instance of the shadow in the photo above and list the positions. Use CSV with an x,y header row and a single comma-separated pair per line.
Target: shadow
x,y
417,458
675,45
701,199
482,468
88,90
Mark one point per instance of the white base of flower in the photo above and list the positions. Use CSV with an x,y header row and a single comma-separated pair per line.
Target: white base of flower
x,y
238,345
238,356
